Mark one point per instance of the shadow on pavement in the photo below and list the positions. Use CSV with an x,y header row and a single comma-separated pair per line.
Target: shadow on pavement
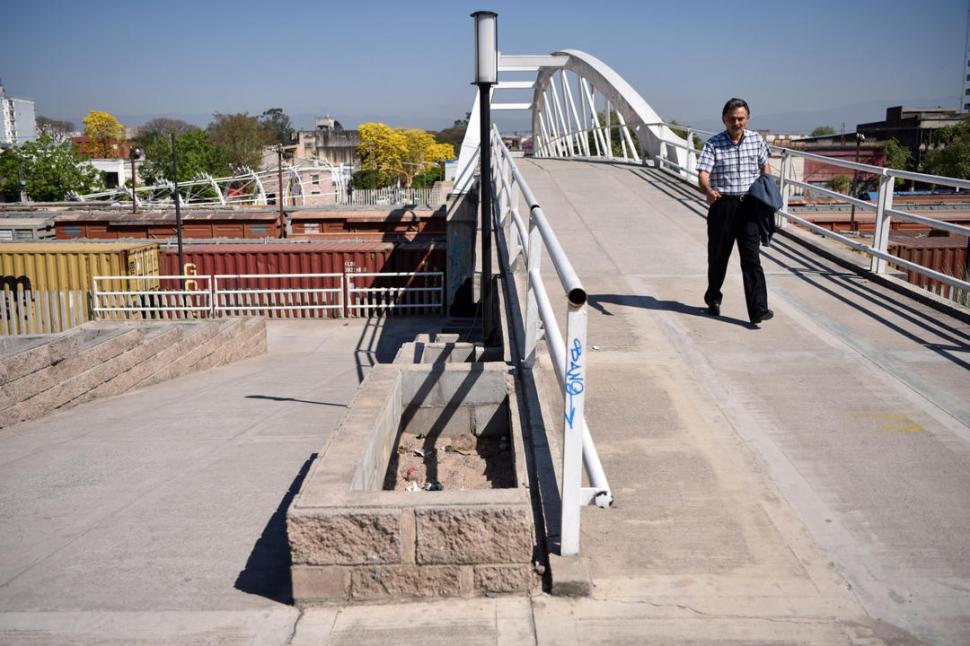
x,y
598,302
292,399
267,571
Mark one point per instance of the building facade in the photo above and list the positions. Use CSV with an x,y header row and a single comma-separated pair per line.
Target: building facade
x,y
915,128
19,124
328,142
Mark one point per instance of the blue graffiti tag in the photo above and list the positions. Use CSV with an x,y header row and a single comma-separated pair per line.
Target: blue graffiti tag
x,y
574,380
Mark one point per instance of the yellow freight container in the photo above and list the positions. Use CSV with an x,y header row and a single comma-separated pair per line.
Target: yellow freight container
x,y
72,265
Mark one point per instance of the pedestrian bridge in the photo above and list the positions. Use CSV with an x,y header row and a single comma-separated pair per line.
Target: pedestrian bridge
x,y
843,422
805,480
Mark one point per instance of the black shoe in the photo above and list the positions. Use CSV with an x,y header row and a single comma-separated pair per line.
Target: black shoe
x,y
762,316
714,309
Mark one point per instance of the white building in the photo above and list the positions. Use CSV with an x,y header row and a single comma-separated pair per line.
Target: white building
x,y
19,123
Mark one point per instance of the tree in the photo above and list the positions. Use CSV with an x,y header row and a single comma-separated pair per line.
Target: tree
x,y
240,137
895,156
104,134
382,149
196,156
276,124
163,126
55,129
51,168
823,131
839,183
952,160
398,155
422,153
455,134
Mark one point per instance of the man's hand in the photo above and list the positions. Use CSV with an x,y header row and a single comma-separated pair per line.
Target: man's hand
x,y
712,196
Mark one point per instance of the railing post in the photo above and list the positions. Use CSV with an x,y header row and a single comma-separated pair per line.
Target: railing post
x,y
880,239
533,261
574,373
783,188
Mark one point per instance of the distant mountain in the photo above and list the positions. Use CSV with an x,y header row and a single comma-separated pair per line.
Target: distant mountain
x,y
804,121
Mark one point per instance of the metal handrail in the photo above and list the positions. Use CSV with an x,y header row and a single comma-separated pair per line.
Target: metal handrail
x,y
569,355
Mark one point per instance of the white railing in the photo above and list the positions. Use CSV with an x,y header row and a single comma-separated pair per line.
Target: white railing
x,y
878,251
318,296
420,292
301,296
151,297
569,356
391,196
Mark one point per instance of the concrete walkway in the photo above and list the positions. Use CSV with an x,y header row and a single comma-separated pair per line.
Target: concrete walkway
x,y
158,516
772,484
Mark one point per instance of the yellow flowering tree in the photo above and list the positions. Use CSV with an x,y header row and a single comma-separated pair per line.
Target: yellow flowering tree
x,y
104,134
399,154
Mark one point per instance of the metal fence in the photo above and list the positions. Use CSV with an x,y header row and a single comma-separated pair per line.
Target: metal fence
x,y
569,356
410,292
290,296
391,196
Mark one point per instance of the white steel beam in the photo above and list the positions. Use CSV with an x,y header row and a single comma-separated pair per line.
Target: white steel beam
x,y
528,63
511,106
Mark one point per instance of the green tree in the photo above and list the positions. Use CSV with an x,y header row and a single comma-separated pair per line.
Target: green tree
x,y
104,135
240,137
455,134
51,169
698,143
839,183
276,124
196,156
895,156
953,159
823,131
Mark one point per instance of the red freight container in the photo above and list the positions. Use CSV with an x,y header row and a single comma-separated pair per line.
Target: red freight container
x,y
342,257
945,254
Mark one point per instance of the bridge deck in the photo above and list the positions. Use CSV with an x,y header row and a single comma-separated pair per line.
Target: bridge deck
x,y
853,403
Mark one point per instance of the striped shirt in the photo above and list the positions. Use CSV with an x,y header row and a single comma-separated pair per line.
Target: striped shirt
x,y
733,167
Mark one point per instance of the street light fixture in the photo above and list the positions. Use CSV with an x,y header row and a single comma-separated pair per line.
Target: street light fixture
x,y
486,75
134,155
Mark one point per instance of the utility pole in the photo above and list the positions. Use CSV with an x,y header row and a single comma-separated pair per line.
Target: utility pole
x,y
134,155
178,207
859,138
279,191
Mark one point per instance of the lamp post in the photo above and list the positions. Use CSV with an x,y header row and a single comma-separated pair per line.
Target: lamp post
x,y
859,138
486,75
134,155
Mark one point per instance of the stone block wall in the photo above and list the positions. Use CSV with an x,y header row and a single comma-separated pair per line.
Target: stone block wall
x,y
39,375
350,540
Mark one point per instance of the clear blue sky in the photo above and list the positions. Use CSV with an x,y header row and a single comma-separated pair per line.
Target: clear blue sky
x,y
410,63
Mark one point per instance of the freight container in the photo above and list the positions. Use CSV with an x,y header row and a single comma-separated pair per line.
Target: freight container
x,y
71,266
47,286
350,263
945,254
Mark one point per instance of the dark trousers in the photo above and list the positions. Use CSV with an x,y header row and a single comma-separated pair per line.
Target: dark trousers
x,y
728,220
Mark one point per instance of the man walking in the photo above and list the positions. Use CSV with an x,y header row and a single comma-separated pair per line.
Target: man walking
x,y
727,167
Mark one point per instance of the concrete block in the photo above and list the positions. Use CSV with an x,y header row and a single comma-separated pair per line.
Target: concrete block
x,y
474,535
505,578
320,583
468,383
127,380
405,581
84,359
345,537
491,420
437,422
570,576
21,364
